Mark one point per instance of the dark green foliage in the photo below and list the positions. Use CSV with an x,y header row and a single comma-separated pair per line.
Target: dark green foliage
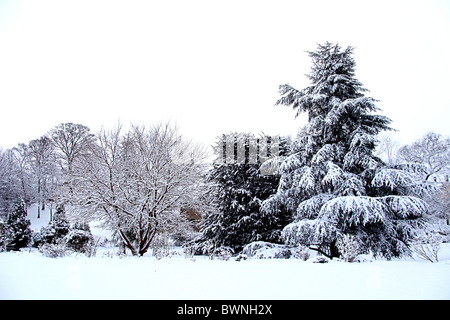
x,y
79,238
16,229
239,188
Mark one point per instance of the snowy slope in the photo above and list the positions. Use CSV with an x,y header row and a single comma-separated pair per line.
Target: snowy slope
x,y
36,223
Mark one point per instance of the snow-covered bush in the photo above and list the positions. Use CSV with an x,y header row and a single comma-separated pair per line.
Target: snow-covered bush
x,y
348,246
56,230
320,259
427,245
267,250
79,238
189,251
301,252
205,247
161,246
223,253
53,250
58,237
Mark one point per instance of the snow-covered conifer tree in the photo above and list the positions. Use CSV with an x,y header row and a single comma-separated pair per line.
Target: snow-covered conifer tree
x,y
331,183
16,229
239,187
56,229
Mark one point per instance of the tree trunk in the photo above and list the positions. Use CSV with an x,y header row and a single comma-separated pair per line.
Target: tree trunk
x,y
146,241
39,199
128,243
334,252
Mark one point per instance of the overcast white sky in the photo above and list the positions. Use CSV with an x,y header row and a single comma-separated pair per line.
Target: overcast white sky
x,y
212,66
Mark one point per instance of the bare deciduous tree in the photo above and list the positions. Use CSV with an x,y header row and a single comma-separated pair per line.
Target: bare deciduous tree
x,y
432,151
41,156
137,182
387,148
71,140
21,156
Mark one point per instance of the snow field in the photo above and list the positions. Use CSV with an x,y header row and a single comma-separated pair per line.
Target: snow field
x,y
29,275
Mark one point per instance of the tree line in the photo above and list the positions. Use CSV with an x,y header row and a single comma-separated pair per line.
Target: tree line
x,y
336,185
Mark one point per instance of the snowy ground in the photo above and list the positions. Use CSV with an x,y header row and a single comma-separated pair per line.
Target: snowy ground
x,y
29,275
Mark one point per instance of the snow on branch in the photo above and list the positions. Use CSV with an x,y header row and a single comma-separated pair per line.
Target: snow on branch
x,y
307,180
405,206
392,178
299,232
326,153
353,210
311,207
334,175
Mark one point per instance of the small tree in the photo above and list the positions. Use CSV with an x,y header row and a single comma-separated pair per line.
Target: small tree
x,y
55,231
18,232
427,245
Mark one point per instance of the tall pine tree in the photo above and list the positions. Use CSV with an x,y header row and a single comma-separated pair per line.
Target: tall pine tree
x,y
331,183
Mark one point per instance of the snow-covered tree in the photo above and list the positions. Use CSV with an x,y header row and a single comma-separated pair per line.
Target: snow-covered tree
x,y
387,148
55,231
332,183
138,182
239,188
71,140
43,168
9,184
23,173
432,151
431,156
16,228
